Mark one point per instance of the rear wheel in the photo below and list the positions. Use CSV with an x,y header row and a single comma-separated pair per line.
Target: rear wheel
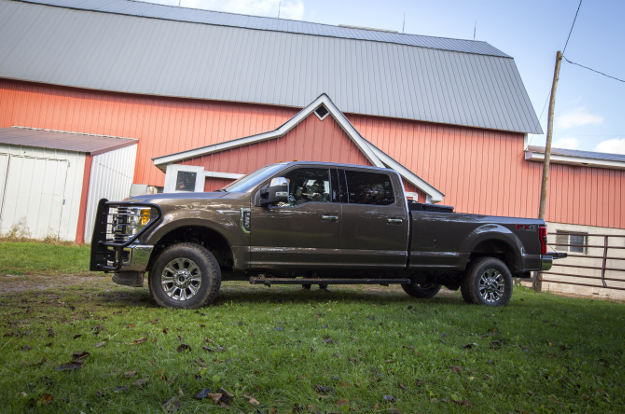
x,y
424,290
186,276
488,282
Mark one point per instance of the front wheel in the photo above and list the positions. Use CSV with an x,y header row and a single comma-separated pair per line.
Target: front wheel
x,y
425,290
185,276
488,282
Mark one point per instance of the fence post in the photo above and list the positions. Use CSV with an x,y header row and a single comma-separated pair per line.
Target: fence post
x,y
537,284
605,257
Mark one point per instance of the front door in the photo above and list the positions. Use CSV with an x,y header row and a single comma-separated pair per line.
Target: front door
x,y
303,232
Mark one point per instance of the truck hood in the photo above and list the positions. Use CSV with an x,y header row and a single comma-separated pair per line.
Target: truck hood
x,y
173,198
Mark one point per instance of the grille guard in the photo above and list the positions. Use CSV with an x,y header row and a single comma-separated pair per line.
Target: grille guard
x,y
101,256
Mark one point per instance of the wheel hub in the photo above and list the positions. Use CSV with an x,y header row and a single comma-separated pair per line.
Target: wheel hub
x,y
181,279
492,285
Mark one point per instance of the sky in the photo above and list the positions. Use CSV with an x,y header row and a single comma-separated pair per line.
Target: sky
x,y
589,109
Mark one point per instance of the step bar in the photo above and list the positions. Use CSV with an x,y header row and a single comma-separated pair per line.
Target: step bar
x,y
300,281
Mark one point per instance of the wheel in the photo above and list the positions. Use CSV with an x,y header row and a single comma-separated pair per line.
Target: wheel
x,y
488,282
185,276
424,290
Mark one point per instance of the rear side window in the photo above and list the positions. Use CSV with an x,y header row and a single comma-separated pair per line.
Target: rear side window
x,y
369,188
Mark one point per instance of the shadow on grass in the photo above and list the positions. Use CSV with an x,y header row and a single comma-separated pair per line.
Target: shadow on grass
x,y
141,298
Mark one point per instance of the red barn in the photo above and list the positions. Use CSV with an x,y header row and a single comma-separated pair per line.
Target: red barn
x,y
452,116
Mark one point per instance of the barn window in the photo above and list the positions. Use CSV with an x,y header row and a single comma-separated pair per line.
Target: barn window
x,y
185,178
571,242
321,112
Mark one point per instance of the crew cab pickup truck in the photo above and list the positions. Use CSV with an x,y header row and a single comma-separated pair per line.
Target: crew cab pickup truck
x,y
312,223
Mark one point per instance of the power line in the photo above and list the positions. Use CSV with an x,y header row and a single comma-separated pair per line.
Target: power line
x,y
572,26
596,71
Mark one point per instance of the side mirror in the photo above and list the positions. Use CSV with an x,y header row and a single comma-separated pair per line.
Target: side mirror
x,y
278,191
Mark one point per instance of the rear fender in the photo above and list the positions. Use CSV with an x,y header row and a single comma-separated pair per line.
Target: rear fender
x,y
494,232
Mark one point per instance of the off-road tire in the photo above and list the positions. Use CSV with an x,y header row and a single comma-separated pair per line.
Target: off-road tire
x,y
195,257
487,282
421,290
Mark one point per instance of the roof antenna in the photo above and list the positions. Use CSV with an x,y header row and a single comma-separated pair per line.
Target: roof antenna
x,y
279,4
474,29
404,25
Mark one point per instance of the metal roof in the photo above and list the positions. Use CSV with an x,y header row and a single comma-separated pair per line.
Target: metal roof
x,y
579,154
200,54
68,141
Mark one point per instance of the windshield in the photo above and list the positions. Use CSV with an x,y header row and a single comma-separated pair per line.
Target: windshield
x,y
248,182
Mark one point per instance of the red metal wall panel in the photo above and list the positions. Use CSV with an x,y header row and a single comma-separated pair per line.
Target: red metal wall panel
x,y
479,171
311,140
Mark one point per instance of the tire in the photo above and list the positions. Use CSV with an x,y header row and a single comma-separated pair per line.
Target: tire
x,y
421,290
184,276
488,282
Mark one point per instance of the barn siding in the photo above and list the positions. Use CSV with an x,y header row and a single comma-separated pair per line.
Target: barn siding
x,y
479,171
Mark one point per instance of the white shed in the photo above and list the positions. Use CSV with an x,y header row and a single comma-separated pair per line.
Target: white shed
x,y
51,181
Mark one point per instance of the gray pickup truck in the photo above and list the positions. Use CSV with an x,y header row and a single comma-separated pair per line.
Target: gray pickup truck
x,y
312,223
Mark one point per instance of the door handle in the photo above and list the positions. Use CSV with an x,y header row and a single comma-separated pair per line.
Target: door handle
x,y
394,221
329,218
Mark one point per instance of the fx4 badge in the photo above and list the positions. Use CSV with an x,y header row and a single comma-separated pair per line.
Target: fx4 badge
x,y
526,227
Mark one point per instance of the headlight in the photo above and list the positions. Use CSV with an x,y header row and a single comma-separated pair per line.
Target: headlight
x,y
129,221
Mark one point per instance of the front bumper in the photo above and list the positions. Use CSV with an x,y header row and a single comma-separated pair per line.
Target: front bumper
x,y
109,255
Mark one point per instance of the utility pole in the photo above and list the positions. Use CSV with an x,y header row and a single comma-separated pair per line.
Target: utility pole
x,y
543,189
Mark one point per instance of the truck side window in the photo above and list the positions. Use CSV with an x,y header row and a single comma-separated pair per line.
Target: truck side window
x,y
308,184
369,188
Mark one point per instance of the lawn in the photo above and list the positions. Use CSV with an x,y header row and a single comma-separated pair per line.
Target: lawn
x,y
97,347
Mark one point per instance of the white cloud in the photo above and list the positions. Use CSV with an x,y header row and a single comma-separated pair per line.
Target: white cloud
x,y
566,143
289,9
612,146
577,117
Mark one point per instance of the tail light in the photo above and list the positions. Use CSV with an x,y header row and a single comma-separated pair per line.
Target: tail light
x,y
542,235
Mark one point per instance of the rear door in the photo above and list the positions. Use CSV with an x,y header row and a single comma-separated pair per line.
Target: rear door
x,y
304,232
374,224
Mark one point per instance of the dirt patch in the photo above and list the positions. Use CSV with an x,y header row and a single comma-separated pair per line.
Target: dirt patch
x,y
21,283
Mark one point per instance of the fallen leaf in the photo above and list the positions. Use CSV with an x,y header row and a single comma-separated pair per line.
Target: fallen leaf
x,y
389,398
172,405
456,368
253,401
394,410
26,348
324,390
204,392
207,348
469,346
553,399
465,403
51,333
130,326
420,382
130,374
78,355
140,340
216,397
140,382
403,387
165,330
70,366
342,401
183,347
99,344
77,336
117,390
278,328
46,398
22,394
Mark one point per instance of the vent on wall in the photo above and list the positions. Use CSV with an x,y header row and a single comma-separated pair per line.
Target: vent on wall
x,y
321,112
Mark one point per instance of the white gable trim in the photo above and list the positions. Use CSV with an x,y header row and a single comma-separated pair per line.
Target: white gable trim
x,y
578,161
375,156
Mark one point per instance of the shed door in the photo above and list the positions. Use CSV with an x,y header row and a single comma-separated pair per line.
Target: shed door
x,y
33,196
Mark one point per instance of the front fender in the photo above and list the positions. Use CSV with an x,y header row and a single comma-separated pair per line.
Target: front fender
x,y
226,223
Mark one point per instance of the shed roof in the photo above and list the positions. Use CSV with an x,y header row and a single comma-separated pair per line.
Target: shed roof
x,y
576,157
134,47
68,141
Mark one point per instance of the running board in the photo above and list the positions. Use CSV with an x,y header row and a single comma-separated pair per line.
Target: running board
x,y
300,281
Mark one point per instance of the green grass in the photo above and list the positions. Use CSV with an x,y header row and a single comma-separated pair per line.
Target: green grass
x,y
541,353
19,258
